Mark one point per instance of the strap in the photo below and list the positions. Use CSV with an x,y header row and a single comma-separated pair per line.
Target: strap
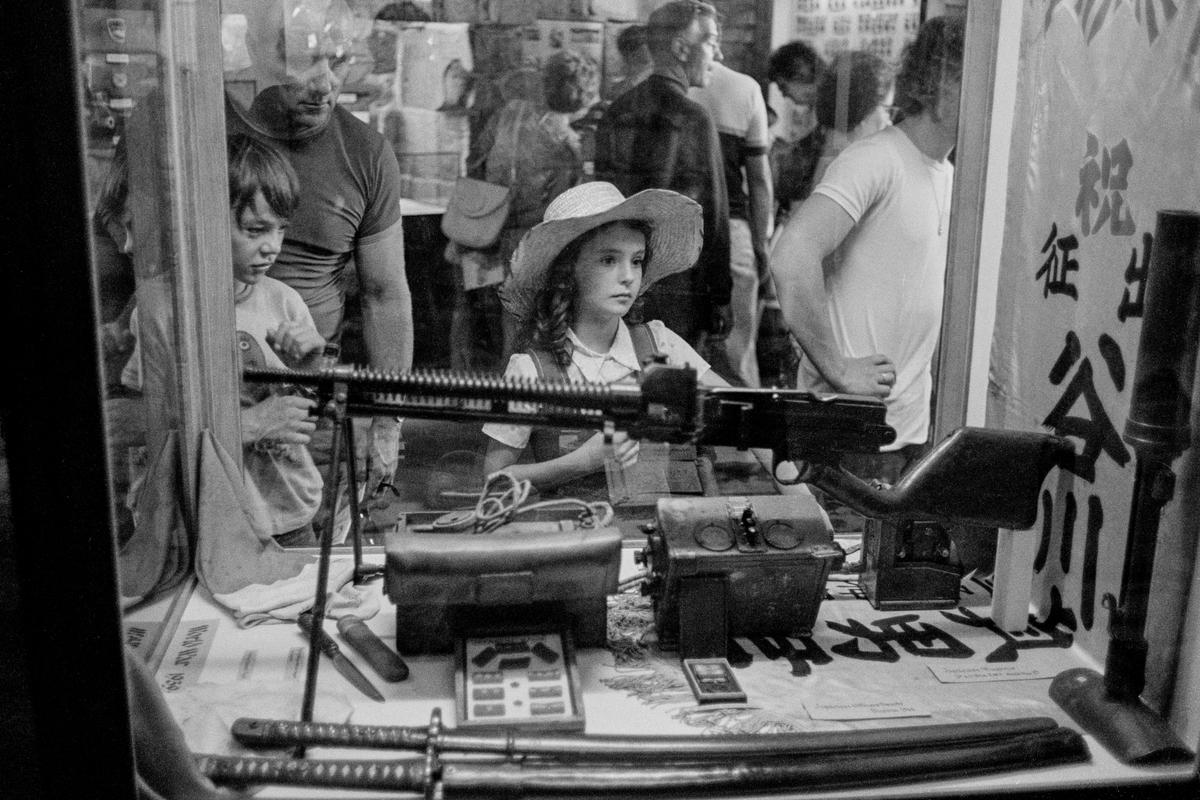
x,y
544,442
546,364
645,348
516,140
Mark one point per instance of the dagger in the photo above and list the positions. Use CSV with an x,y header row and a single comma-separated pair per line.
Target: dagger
x,y
343,665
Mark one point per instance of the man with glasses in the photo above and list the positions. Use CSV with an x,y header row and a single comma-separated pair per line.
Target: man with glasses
x,y
795,68
349,211
654,137
860,266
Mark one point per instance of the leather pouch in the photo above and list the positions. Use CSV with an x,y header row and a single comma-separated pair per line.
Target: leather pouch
x,y
525,572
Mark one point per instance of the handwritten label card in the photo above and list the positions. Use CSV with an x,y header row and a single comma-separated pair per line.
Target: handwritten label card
x,y
864,708
985,673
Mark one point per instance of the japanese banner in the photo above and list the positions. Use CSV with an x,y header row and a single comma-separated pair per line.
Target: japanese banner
x,y
1106,133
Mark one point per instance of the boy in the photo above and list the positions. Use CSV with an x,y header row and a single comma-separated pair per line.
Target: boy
x,y
274,329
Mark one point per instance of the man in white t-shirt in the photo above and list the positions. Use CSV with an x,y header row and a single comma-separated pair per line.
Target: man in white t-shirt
x,y
860,267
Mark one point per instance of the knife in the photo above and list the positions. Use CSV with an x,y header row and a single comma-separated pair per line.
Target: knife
x,y
384,660
343,665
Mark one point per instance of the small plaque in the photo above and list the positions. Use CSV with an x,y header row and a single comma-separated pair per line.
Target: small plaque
x,y
518,688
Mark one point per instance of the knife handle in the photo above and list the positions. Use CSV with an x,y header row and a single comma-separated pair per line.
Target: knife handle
x,y
325,642
383,659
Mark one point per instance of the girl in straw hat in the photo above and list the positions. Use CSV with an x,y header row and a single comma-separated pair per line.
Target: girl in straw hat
x,y
575,276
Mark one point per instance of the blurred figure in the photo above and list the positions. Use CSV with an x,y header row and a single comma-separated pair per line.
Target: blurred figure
x,y
796,69
635,55
530,146
861,265
735,103
654,137
112,241
853,100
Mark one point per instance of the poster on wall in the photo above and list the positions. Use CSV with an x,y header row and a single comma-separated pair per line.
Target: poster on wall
x,y
881,27
1104,136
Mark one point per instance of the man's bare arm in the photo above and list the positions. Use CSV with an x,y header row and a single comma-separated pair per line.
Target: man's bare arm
x,y
386,300
811,234
762,204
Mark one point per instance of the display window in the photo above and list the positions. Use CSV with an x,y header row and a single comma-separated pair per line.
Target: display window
x,y
782,398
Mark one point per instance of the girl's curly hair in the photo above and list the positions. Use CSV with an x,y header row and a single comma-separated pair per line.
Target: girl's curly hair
x,y
554,307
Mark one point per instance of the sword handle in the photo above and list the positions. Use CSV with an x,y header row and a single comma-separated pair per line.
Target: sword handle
x,y
283,733
407,775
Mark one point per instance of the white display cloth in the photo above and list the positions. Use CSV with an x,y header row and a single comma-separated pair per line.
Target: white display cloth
x,y
860,658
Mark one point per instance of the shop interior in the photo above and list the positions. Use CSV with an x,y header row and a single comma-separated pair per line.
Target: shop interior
x,y
216,540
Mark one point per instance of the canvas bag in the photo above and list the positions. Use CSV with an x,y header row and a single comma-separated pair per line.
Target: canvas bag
x,y
477,210
476,213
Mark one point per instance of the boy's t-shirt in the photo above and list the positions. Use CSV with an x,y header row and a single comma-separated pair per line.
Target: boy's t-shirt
x,y
284,476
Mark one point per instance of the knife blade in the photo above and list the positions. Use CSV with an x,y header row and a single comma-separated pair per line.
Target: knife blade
x,y
342,664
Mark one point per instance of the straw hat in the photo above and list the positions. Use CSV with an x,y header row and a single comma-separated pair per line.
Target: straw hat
x,y
675,237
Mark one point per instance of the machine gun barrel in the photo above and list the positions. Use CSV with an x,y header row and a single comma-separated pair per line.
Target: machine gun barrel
x,y
662,407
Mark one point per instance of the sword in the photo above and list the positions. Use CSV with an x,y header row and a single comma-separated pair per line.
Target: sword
x,y
436,778
283,733
343,665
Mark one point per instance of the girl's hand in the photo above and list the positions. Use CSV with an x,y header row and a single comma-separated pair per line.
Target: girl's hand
x,y
294,341
623,450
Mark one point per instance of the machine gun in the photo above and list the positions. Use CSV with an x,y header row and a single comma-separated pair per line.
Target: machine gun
x,y
976,476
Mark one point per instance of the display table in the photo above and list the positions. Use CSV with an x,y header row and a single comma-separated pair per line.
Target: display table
x,y
861,668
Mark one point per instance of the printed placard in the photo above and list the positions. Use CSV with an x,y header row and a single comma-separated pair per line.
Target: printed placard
x,y
185,660
864,708
986,673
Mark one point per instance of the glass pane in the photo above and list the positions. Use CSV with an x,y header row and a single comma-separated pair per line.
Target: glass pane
x,y
122,63
839,610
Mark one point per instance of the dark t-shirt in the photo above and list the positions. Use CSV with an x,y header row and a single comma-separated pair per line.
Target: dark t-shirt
x,y
349,193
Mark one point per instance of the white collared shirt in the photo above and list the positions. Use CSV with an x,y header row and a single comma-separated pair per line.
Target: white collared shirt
x,y
618,365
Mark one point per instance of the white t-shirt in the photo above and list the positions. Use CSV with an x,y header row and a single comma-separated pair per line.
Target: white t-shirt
x,y
618,365
886,280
